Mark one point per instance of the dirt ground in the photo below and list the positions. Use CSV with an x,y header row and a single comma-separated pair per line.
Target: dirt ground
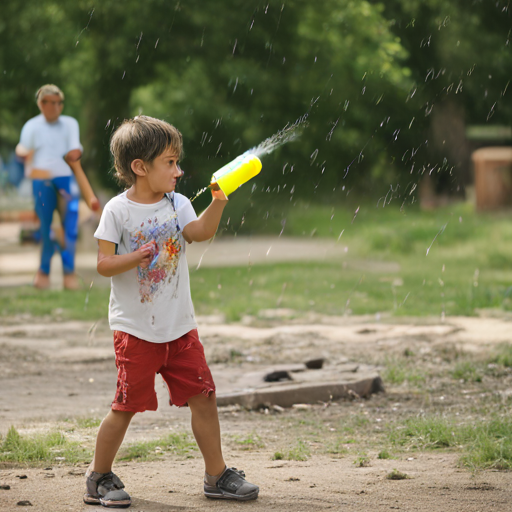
x,y
51,374
61,376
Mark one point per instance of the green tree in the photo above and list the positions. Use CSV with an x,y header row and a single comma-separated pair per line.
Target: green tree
x,y
337,62
384,86
460,57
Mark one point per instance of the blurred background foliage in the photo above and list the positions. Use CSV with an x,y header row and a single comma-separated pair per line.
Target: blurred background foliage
x,y
388,87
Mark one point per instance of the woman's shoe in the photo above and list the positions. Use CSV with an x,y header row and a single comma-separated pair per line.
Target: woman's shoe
x,y
71,282
42,281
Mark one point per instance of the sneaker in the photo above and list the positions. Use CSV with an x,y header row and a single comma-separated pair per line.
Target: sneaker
x,y
232,485
105,489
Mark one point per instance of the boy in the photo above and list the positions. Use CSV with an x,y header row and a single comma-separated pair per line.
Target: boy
x,y
141,245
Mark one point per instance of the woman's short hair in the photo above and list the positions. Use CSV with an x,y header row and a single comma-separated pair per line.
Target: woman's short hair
x,y
48,90
143,138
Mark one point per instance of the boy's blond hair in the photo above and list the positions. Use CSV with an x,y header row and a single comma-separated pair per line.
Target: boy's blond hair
x,y
143,138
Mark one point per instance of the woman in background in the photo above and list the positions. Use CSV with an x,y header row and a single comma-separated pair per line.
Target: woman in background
x,y
50,143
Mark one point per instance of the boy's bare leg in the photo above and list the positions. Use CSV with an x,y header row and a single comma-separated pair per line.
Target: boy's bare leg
x,y
110,436
206,429
219,482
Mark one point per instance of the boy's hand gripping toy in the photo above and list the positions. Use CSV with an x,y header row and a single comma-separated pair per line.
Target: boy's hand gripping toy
x,y
236,173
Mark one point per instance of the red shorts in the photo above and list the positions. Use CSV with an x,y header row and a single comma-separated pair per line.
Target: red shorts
x,y
181,363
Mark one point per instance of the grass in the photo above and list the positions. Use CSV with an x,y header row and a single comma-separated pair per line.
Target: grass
x,y
403,263
484,443
397,475
250,441
181,445
397,371
425,433
80,423
300,452
337,447
503,356
49,448
87,422
398,262
489,445
467,371
383,455
55,304
55,446
362,461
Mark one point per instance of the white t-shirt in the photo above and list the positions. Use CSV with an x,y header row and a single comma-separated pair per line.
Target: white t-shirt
x,y
51,142
151,303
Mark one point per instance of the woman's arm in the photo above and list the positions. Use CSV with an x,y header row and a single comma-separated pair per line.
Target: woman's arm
x,y
111,264
206,225
73,160
23,152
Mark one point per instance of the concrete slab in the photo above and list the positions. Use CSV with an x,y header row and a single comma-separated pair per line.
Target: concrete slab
x,y
250,390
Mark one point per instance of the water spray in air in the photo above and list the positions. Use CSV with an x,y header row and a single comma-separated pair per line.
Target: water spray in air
x,y
246,166
288,134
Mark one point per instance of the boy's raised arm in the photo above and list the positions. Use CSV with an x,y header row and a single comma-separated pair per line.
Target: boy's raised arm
x,y
111,264
206,225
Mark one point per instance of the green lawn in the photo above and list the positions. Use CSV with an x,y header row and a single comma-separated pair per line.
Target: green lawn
x,y
58,305
451,261
407,263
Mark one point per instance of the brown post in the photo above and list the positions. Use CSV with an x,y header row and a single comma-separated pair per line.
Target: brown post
x,y
493,178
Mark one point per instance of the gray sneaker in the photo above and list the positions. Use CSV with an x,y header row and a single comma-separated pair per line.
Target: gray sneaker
x,y
105,489
232,485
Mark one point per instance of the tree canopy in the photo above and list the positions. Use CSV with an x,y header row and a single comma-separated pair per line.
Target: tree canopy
x,y
386,87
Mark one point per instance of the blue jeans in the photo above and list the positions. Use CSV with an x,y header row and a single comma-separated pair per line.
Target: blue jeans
x,y
63,194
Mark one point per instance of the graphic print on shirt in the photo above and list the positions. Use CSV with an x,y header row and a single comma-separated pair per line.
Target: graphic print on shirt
x,y
166,253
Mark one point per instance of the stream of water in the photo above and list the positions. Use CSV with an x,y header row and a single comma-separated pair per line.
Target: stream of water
x,y
289,133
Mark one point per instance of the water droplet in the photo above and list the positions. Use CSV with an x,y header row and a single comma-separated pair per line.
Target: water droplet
x,y
199,193
288,134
